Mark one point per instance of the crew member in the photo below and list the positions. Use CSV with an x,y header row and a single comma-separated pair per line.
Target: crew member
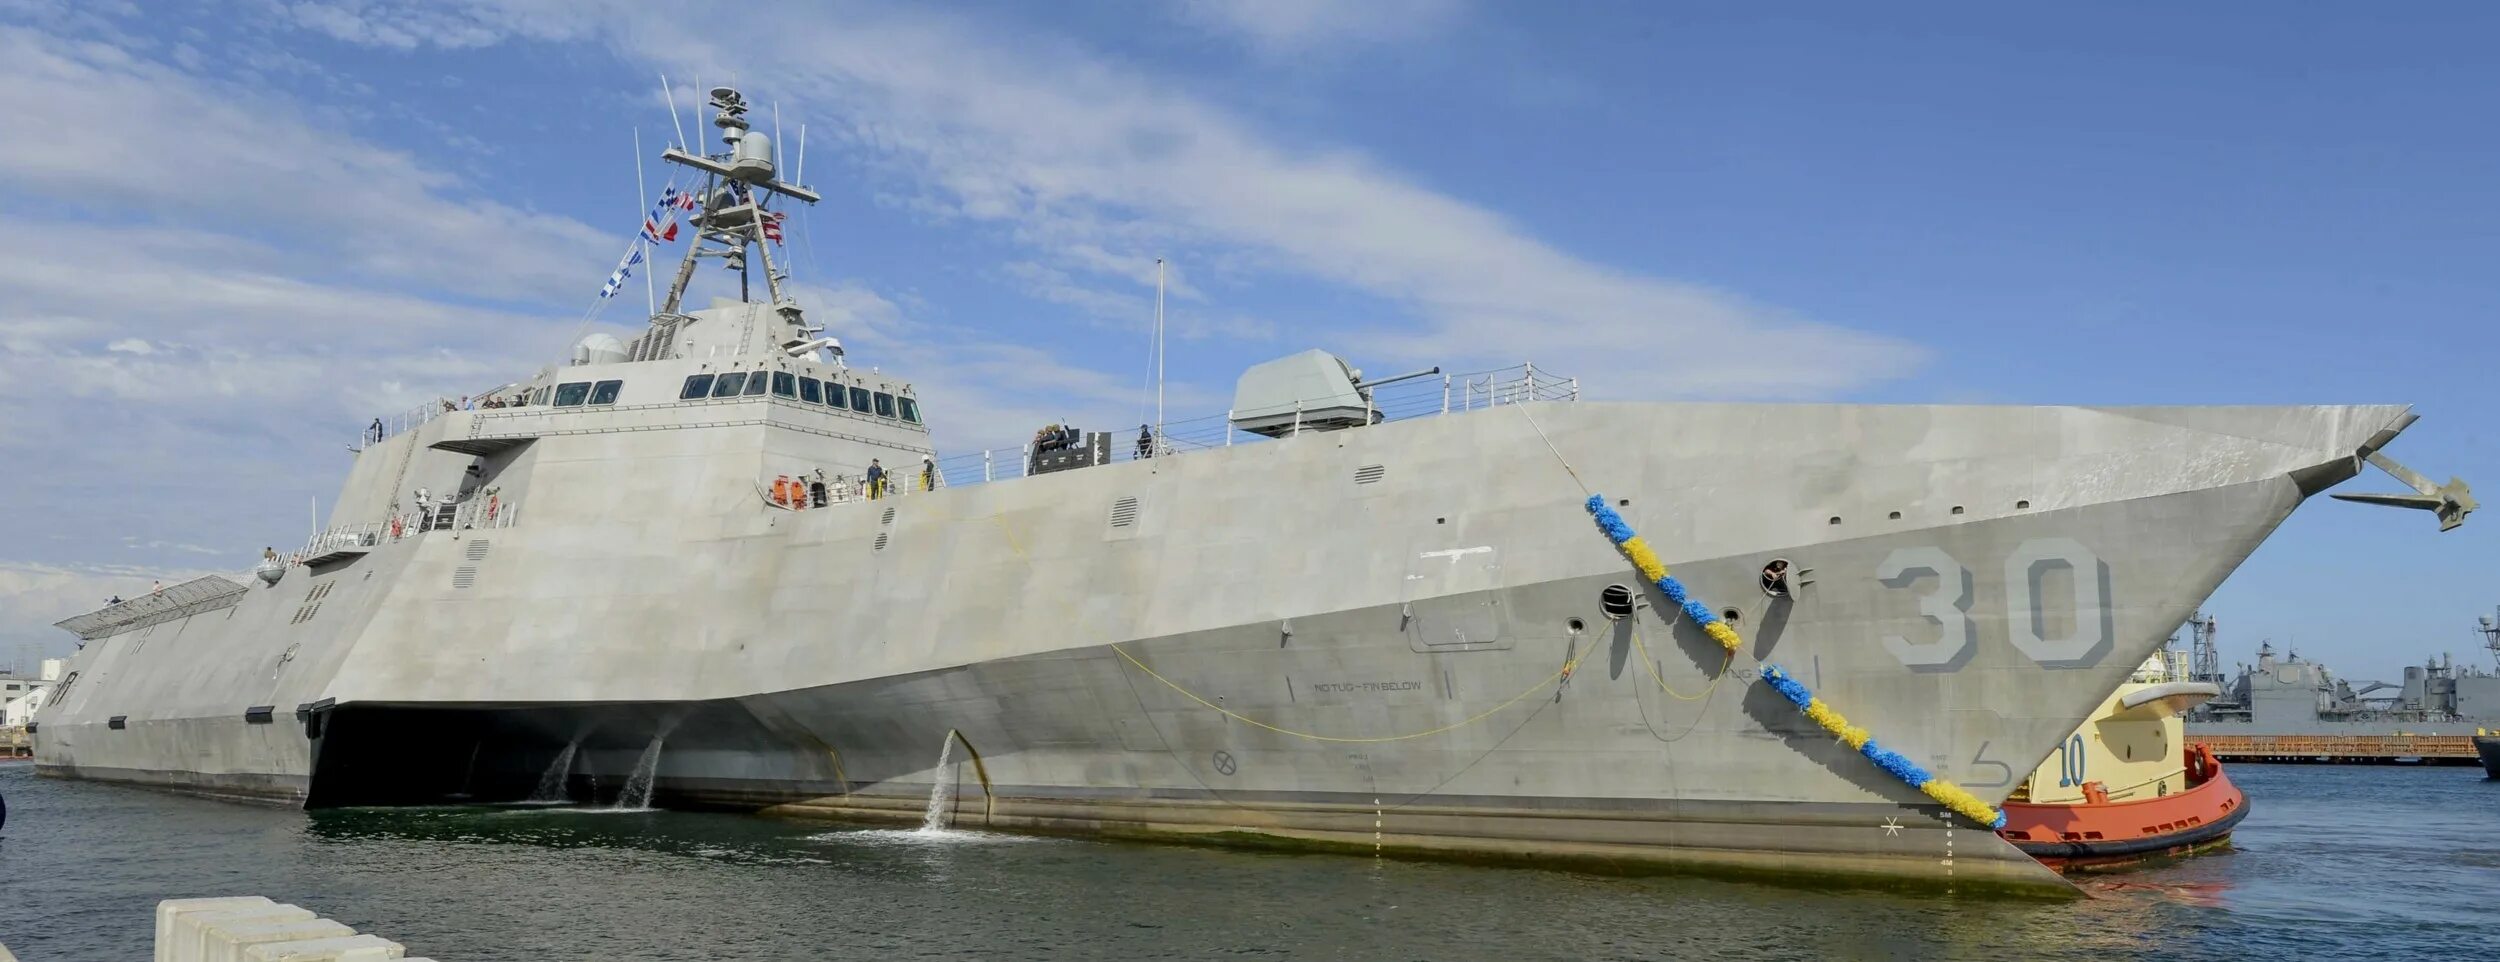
x,y
1775,578
876,480
928,473
1145,442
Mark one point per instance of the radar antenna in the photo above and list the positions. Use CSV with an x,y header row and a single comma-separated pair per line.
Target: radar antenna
x,y
732,217
2489,629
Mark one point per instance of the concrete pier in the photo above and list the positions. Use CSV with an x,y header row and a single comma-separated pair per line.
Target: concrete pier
x,y
251,928
2350,749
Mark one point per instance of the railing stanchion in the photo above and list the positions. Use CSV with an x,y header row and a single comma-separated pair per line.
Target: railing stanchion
x,y
1445,394
986,474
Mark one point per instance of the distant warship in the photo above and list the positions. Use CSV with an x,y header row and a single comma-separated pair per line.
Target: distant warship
x,y
1351,615
2290,695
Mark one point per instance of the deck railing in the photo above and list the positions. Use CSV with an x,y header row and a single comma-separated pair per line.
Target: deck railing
x,y
490,511
1405,400
393,425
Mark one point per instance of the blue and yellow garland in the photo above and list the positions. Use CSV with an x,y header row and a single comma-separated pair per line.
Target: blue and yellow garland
x,y
1952,795
1655,572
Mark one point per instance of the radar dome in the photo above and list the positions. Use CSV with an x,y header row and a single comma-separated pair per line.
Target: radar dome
x,y
599,349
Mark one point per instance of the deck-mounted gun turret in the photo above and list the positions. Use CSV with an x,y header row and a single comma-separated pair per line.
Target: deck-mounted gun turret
x,y
1310,391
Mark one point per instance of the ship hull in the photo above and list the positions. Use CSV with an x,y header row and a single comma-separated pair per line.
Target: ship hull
x,y
1417,666
2107,836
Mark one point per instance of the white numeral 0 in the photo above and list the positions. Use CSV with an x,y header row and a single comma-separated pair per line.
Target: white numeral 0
x,y
2089,640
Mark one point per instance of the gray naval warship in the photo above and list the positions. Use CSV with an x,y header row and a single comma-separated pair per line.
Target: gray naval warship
x,y
2290,695
1351,620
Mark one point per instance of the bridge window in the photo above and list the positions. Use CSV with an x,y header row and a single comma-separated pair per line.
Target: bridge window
x,y
697,386
729,384
785,385
811,390
571,395
910,408
833,396
605,392
885,405
859,399
755,384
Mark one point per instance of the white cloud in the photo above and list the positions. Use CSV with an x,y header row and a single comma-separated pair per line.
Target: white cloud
x,y
986,394
147,138
1295,25
1064,151
395,25
184,393
33,596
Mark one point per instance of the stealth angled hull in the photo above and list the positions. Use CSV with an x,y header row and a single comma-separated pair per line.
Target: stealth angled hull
x,y
1389,638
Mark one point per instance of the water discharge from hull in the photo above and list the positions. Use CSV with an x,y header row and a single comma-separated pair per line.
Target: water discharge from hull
x,y
941,789
551,786
637,793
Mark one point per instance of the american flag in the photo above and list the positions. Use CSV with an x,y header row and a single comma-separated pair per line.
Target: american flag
x,y
772,227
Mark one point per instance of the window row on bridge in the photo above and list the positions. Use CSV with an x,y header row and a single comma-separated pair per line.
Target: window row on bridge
x,y
578,393
783,384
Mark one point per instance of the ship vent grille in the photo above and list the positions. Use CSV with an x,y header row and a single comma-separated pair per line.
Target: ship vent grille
x,y
881,538
1123,512
312,602
1370,473
889,516
477,549
464,577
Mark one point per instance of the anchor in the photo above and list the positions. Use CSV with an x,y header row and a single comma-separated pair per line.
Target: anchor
x,y
2451,501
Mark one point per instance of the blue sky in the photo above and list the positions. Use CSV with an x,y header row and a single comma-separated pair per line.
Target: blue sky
x,y
238,230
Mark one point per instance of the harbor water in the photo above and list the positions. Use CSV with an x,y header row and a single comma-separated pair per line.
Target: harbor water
x,y
2333,862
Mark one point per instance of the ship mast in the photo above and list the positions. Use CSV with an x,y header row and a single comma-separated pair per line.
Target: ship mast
x,y
733,218
2490,632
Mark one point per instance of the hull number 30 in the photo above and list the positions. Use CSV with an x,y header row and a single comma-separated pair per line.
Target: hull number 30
x,y
1953,637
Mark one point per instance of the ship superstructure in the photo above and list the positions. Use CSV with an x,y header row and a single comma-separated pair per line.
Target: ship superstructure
x,y
1346,618
2290,695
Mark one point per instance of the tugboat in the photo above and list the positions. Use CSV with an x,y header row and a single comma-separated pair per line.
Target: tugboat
x,y
2487,748
2170,798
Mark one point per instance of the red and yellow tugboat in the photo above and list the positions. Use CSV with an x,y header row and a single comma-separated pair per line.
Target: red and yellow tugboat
x,y
2127,786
